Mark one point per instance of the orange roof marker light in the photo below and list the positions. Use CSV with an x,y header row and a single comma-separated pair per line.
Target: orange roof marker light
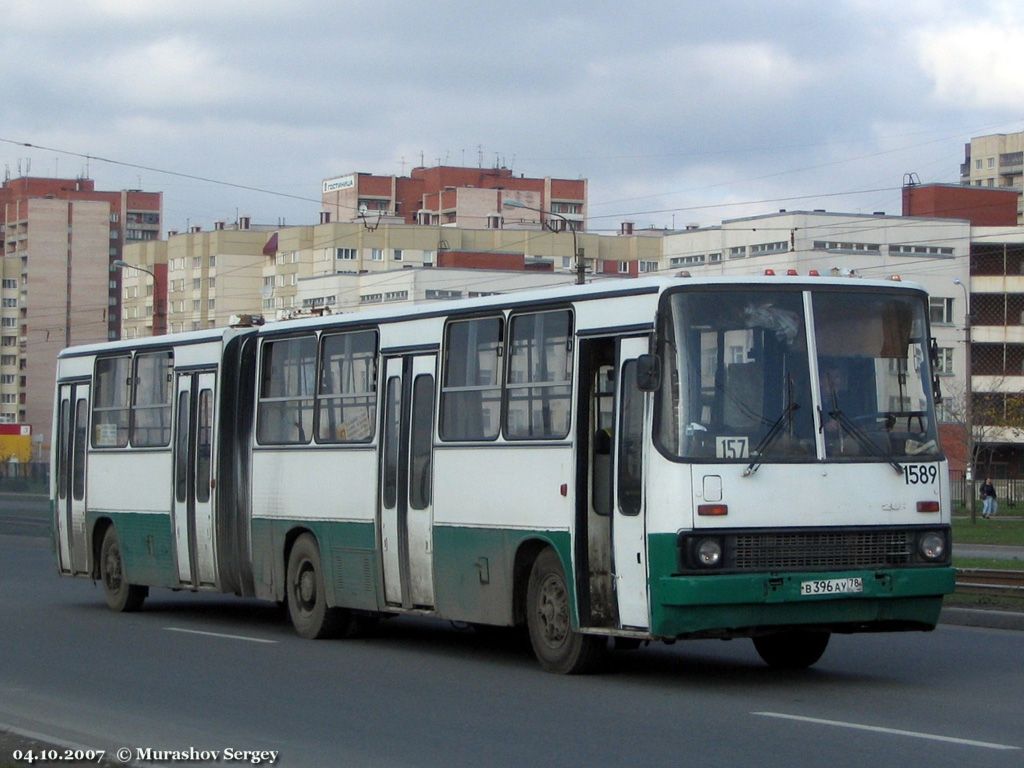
x,y
769,273
792,272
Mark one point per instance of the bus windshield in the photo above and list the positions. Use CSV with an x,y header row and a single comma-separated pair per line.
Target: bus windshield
x,y
873,376
739,384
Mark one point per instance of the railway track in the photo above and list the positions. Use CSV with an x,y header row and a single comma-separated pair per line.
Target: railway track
x,y
990,581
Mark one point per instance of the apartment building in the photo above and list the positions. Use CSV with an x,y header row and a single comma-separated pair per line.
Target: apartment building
x,y
448,196
996,160
210,276
134,216
997,349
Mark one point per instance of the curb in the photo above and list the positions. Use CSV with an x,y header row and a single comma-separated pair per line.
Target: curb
x,y
976,617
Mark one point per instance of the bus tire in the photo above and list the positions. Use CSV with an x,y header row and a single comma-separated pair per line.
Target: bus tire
x,y
791,650
557,646
120,595
306,594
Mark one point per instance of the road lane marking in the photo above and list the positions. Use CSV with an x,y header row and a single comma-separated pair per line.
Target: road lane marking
x,y
220,634
892,731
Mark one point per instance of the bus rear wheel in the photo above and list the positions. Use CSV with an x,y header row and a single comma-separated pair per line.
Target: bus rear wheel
x,y
120,595
791,650
307,596
557,646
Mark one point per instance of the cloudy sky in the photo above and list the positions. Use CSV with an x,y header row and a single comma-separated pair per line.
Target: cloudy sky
x,y
677,112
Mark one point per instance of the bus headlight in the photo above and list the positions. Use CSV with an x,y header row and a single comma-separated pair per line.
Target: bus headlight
x,y
709,552
932,546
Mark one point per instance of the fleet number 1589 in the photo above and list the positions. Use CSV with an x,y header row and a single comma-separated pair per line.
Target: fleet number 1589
x,y
920,474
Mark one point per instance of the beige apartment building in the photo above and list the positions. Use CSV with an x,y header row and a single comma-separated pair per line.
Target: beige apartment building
x,y
211,276
996,160
55,285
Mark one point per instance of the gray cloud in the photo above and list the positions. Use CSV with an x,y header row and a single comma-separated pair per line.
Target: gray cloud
x,y
664,106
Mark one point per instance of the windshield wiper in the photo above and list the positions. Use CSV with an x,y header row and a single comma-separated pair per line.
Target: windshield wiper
x,y
862,437
784,420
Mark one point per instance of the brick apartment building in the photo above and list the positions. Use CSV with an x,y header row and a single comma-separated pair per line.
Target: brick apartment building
x,y
471,198
60,237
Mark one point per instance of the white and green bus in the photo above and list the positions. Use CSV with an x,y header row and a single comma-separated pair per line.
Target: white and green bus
x,y
604,465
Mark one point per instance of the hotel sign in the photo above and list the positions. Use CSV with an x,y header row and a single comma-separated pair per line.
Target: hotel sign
x,y
342,182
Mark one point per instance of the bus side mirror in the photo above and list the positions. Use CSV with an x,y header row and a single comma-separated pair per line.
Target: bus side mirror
x,y
648,373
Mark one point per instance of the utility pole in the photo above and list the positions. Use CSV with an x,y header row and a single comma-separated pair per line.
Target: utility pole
x,y
968,405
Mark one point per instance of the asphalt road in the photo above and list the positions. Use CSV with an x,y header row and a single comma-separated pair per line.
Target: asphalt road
x,y
215,673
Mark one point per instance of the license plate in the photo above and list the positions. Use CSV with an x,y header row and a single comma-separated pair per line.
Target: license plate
x,y
832,586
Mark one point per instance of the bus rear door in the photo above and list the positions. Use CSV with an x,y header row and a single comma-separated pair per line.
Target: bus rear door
x,y
72,436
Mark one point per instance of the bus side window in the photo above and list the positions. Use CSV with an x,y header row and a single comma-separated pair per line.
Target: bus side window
x,y
539,376
471,380
110,403
287,387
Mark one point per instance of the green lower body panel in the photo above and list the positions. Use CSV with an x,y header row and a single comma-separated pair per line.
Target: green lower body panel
x,y
147,546
348,556
736,604
475,569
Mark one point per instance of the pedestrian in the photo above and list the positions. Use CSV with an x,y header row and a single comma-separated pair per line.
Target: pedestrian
x,y
988,494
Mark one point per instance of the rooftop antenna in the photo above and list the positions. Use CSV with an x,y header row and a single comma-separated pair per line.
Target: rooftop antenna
x,y
480,155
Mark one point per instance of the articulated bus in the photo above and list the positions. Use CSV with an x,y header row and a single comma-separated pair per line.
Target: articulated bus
x,y
602,465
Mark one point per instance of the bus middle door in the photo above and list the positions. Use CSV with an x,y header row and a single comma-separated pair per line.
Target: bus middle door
x,y
406,511
193,478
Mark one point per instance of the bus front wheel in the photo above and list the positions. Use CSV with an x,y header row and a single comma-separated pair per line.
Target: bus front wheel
x,y
791,650
557,646
120,595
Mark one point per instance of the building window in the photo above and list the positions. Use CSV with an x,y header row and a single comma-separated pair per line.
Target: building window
x,y
738,252
434,293
940,310
345,254
10,284
397,254
623,267
944,365
376,254
648,266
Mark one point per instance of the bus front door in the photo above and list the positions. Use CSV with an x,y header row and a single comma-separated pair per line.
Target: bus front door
x,y
629,522
72,438
406,477
193,519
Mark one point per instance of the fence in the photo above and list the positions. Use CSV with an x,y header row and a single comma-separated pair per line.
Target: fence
x,y
30,477
1009,491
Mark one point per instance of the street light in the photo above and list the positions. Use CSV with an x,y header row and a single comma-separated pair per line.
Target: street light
x,y
158,309
581,268
121,264
968,404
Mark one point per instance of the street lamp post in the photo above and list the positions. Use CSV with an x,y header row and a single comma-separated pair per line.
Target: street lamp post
x,y
968,403
581,268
